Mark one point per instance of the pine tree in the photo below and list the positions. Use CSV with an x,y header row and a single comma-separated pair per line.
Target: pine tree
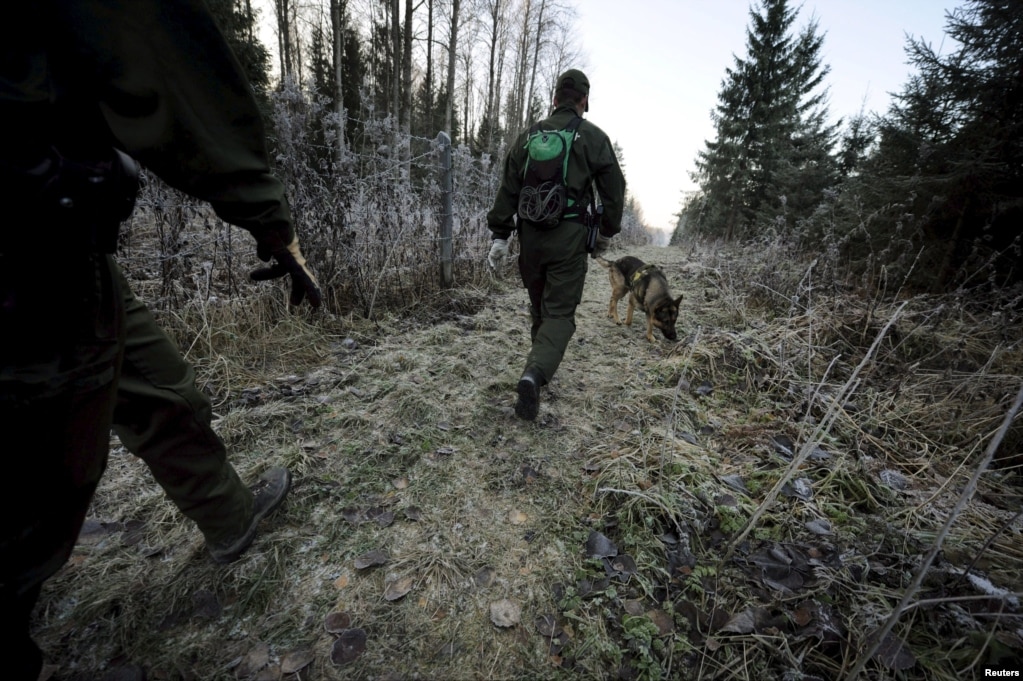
x,y
773,154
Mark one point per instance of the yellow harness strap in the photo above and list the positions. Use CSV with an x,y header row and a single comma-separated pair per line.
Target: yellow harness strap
x,y
642,272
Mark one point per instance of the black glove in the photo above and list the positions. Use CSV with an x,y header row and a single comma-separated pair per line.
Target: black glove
x,y
288,260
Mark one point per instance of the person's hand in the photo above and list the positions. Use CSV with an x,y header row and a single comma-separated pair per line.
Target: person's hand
x,y
601,246
498,252
288,260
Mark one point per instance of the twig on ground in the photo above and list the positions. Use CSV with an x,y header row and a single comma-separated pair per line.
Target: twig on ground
x,y
808,447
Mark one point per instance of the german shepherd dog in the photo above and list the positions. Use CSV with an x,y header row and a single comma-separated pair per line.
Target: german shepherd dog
x,y
647,288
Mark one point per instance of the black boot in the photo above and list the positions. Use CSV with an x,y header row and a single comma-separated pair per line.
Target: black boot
x,y
529,394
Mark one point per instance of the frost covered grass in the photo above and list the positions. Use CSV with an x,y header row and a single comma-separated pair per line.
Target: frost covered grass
x,y
651,523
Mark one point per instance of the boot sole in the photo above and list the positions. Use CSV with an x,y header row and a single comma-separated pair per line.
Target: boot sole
x,y
529,400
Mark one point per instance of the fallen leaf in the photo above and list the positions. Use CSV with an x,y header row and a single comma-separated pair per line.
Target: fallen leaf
x,y
254,660
505,613
398,588
348,647
352,515
599,546
380,516
662,620
802,616
337,621
517,517
400,483
371,559
296,660
548,626
624,566
741,623
485,577
341,582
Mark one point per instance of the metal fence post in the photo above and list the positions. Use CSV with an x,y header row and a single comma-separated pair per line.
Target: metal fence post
x,y
446,254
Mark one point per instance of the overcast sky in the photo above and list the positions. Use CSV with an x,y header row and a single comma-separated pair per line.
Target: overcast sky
x,y
656,66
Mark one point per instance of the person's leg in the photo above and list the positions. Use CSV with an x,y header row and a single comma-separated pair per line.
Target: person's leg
x,y
58,376
564,270
553,269
162,418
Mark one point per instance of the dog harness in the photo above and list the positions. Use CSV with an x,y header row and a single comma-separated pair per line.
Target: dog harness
x,y
642,272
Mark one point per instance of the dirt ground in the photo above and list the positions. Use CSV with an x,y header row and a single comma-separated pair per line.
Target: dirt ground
x,y
431,534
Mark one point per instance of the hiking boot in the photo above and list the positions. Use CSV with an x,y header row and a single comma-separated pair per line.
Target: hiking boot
x,y
267,494
529,395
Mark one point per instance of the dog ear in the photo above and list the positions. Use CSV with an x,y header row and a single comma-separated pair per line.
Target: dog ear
x,y
678,301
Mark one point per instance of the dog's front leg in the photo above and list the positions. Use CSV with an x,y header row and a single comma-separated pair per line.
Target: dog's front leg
x,y
650,328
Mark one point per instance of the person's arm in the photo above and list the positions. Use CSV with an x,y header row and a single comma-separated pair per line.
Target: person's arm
x,y
610,183
501,218
176,99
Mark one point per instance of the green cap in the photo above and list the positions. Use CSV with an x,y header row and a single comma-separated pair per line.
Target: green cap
x,y
574,79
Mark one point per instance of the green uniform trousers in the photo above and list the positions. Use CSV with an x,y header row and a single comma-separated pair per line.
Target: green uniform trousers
x,y
162,418
553,267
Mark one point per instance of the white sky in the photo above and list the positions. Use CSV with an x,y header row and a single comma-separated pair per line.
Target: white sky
x,y
655,69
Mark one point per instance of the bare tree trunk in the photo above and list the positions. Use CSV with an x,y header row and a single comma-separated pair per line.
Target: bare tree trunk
x,y
429,62
283,11
495,29
452,49
337,24
536,62
466,111
406,71
406,95
396,65
516,108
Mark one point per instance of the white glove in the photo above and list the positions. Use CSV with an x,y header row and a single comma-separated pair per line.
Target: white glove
x,y
498,252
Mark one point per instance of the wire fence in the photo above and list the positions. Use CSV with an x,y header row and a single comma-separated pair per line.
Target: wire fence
x,y
369,217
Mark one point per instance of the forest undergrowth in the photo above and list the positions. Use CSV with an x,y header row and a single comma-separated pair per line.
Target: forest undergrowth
x,y
750,502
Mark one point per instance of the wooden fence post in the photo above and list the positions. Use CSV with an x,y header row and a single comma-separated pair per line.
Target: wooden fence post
x,y
446,254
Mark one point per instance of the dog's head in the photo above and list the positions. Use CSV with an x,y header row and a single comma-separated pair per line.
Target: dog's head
x,y
665,315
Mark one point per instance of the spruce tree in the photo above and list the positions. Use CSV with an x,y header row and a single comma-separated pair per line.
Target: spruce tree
x,y
950,150
237,21
773,153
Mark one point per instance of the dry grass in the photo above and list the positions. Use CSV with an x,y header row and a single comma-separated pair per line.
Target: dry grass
x,y
669,451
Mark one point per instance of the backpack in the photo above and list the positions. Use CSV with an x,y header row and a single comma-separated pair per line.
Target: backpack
x,y
543,200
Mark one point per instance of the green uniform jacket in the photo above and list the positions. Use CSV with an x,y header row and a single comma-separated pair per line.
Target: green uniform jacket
x,y
159,77
591,160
